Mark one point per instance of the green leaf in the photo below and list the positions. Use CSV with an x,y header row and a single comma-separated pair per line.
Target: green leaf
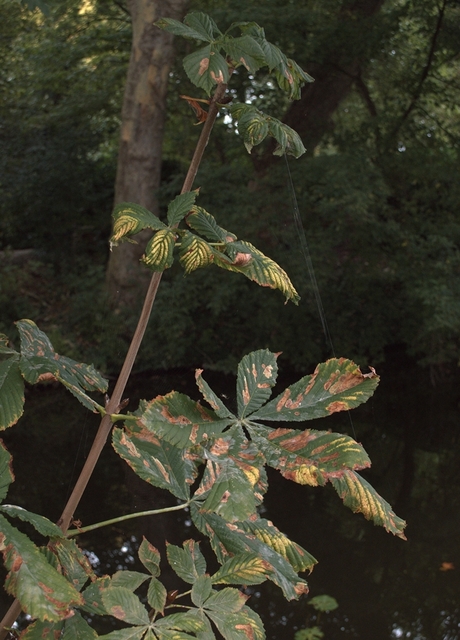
x,y
124,605
76,628
93,596
41,524
211,398
39,630
205,224
131,580
179,29
336,385
361,497
288,140
189,621
188,563
245,51
231,539
195,252
133,633
74,564
181,421
229,492
308,457
156,461
257,374
38,359
157,595
129,219
6,471
203,24
243,625
150,557
253,127
323,603
291,77
228,600
11,392
41,590
244,568
244,258
201,590
206,67
180,206
159,250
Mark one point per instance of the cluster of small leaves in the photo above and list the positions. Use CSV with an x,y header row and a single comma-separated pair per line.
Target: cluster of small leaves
x,y
38,362
207,67
213,245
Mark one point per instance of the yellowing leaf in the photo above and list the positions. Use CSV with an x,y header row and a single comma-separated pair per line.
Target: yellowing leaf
x,y
159,250
195,253
244,568
129,219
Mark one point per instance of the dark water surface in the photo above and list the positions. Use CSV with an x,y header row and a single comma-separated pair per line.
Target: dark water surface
x,y
386,588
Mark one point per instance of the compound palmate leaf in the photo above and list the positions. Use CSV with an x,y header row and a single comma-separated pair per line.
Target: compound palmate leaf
x,y
42,591
360,496
336,385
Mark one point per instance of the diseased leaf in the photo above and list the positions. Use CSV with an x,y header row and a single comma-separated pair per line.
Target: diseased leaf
x,y
11,392
150,557
180,206
228,600
336,385
229,492
156,461
211,398
360,496
253,127
266,532
243,625
159,252
40,523
93,596
244,258
38,358
201,590
181,421
206,67
41,590
39,630
6,471
76,628
74,564
291,77
129,219
188,621
289,141
257,374
308,457
231,539
244,568
195,252
205,224
188,563
124,605
156,595
245,51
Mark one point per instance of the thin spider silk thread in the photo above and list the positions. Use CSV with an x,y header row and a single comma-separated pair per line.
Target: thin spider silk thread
x,y
311,271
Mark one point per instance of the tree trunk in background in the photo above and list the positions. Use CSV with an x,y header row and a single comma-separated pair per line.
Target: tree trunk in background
x,y
142,129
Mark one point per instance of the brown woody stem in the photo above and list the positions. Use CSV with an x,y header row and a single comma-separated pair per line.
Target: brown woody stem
x,y
114,402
